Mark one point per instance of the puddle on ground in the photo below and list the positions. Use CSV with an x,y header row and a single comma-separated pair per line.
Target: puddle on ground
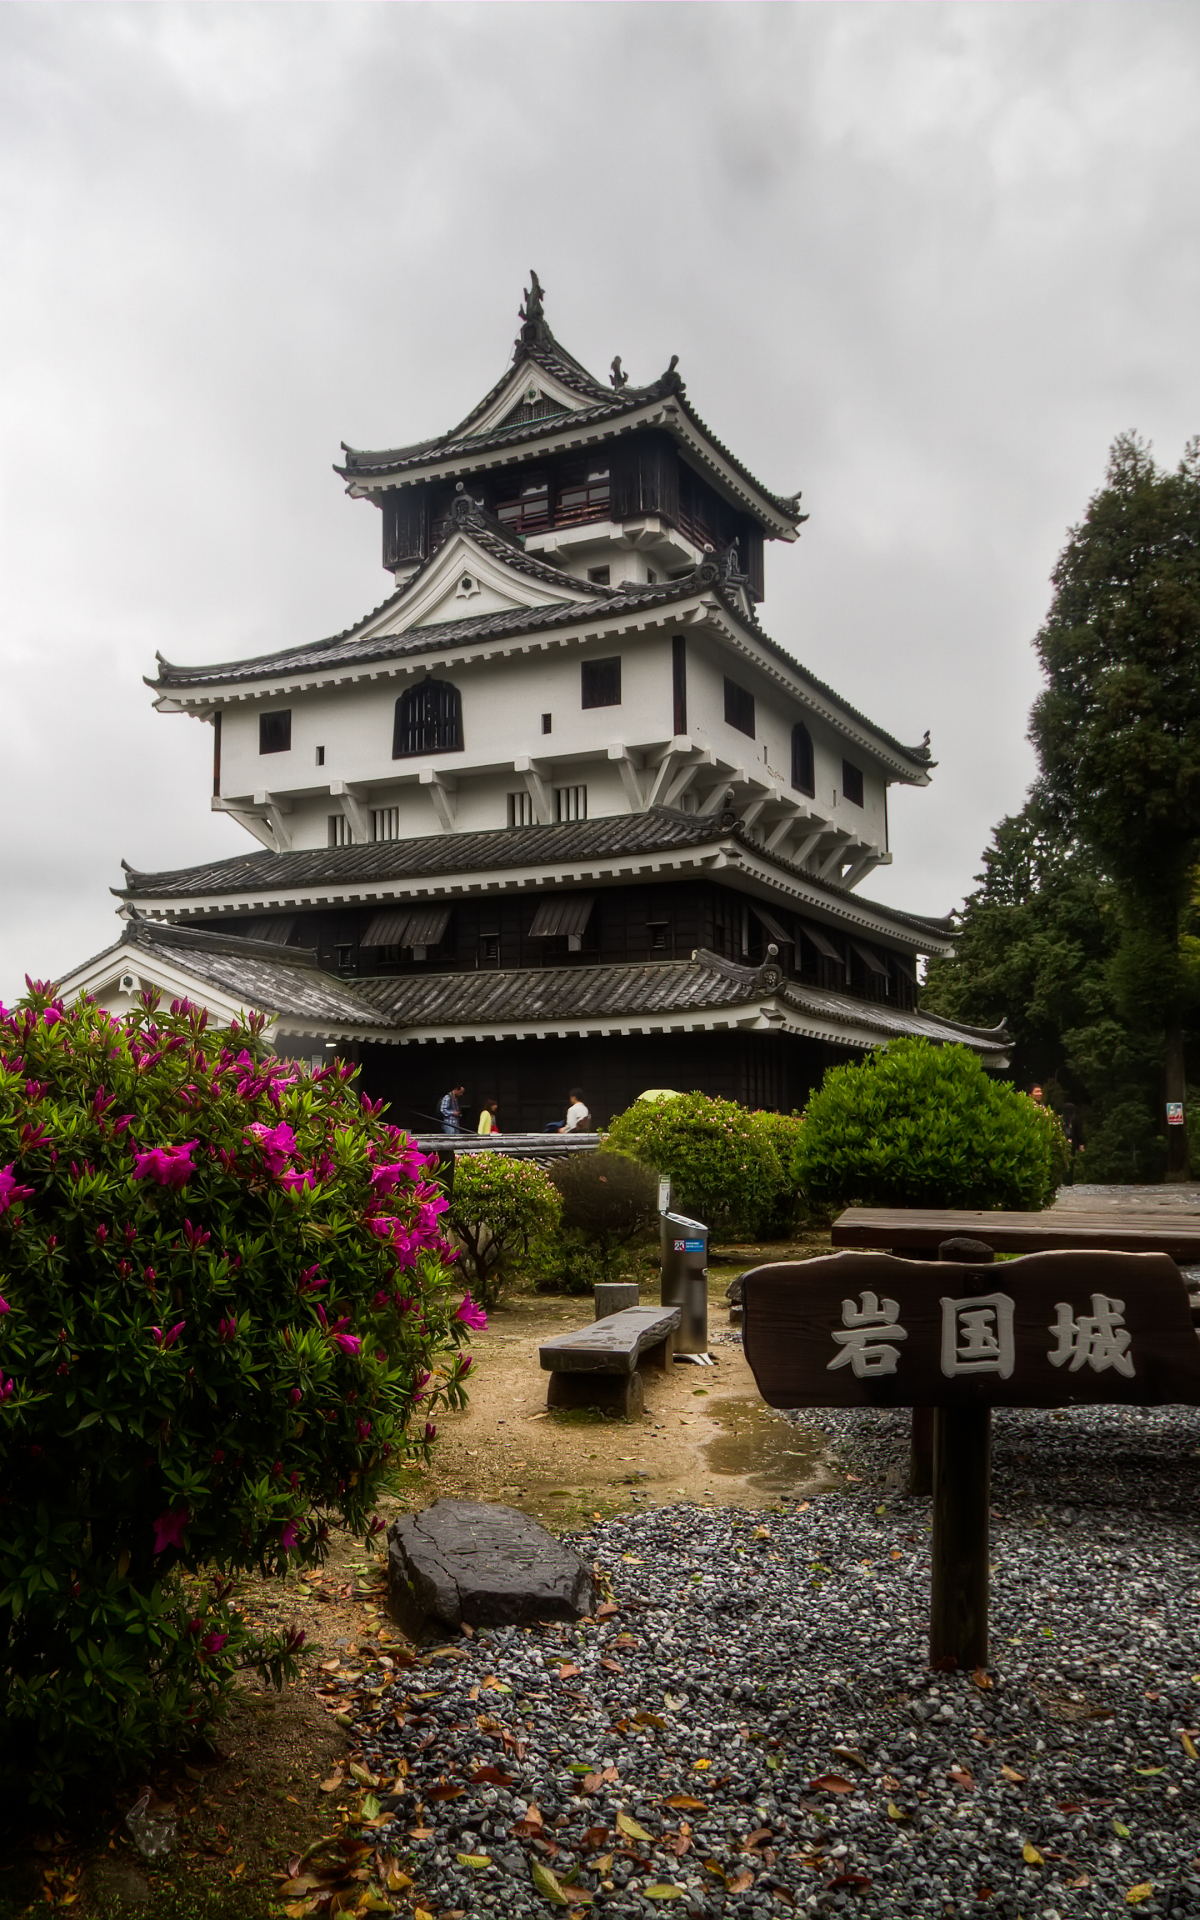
x,y
772,1454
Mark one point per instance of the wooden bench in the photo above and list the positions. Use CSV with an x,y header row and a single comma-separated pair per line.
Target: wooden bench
x,y
597,1366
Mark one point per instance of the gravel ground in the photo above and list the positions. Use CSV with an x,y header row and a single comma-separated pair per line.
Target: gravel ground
x,y
770,1668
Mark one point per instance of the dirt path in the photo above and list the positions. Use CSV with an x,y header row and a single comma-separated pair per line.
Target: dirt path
x,y
705,1435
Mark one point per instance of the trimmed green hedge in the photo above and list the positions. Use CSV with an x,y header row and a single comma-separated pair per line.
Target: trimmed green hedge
x,y
722,1161
918,1125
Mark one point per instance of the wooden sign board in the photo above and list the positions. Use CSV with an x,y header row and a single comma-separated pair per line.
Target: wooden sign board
x,y
1048,1330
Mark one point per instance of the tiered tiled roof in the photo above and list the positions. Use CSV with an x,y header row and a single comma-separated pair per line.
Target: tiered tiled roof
x,y
254,973
434,856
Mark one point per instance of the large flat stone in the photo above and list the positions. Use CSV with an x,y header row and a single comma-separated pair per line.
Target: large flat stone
x,y
462,1560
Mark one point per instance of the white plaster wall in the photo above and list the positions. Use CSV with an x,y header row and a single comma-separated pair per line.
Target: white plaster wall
x,y
771,749
502,701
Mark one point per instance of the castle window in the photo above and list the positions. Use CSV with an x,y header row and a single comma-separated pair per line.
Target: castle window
x,y
852,783
600,682
658,931
320,756
529,510
598,576
275,732
739,708
679,684
428,720
546,722
340,834
489,949
804,777
385,823
520,809
570,803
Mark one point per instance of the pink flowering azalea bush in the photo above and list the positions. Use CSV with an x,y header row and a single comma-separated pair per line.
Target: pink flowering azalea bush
x,y
226,1310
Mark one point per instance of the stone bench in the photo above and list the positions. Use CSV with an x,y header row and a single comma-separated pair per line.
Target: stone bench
x,y
597,1366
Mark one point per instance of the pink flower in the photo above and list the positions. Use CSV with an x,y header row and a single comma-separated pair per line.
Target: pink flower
x,y
350,1343
227,1330
430,1432
170,1528
101,1235
166,1166
213,1642
382,1225
295,1396
465,1363
7,1388
277,1143
289,1535
363,1428
195,1236
295,1640
165,1340
10,1189
470,1314
311,1279
4,1306
292,1180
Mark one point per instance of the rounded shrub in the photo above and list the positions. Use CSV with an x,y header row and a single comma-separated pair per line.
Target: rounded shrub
x,y
789,1208
722,1163
505,1213
223,1311
608,1201
918,1125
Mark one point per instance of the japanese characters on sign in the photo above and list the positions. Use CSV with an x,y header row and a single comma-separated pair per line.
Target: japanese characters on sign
x,y
977,1336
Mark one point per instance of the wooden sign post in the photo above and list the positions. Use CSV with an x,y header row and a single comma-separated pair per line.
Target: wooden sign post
x,y
1048,1330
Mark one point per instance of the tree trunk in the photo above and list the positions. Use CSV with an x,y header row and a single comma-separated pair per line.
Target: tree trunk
x,y
1176,1090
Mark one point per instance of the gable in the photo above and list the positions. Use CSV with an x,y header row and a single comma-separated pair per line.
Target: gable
x,y
530,393
465,580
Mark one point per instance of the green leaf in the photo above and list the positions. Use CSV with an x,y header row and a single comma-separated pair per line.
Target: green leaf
x,y
547,1883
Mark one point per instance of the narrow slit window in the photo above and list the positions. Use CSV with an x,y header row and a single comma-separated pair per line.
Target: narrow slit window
x,y
852,783
739,708
679,683
804,775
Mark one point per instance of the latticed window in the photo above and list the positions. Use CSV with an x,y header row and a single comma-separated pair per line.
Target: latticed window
x,y
340,834
570,803
520,809
804,774
385,823
428,720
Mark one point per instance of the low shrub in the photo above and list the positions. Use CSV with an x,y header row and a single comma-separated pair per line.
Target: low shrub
x,y
789,1208
608,1201
223,1311
574,1262
918,1125
721,1160
504,1211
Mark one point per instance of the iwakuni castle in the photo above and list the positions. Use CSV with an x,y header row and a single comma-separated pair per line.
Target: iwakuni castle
x,y
559,811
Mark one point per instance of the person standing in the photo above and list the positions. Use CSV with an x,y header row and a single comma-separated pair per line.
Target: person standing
x,y
487,1119
449,1109
578,1119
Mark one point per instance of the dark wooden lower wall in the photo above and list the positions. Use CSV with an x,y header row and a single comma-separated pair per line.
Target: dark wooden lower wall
x,y
532,1078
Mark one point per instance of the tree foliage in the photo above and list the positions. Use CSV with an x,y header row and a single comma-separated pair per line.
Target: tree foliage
x,y
1080,932
504,1211
722,1162
223,1311
918,1125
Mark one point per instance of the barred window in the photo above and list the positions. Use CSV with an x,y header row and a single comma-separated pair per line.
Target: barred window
x,y
570,803
520,809
340,834
428,720
385,823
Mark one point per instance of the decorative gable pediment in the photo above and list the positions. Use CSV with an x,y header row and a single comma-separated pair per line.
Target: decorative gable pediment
x,y
529,393
467,578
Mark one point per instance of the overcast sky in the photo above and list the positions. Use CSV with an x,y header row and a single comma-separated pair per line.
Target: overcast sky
x,y
922,261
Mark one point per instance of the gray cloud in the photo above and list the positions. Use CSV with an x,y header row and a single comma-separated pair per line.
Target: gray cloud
x,y
922,261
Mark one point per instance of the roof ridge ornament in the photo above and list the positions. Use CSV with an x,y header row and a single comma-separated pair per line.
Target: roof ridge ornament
x,y
534,330
617,377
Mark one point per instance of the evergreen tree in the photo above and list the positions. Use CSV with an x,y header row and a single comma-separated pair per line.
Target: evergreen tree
x,y
1117,728
1078,934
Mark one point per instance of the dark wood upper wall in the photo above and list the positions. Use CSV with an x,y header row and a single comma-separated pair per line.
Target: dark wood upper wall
x,y
646,476
627,926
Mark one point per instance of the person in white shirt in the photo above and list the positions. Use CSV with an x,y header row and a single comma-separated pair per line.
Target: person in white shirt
x,y
578,1119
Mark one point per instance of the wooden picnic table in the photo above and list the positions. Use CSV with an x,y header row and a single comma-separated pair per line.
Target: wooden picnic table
x,y
919,1231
